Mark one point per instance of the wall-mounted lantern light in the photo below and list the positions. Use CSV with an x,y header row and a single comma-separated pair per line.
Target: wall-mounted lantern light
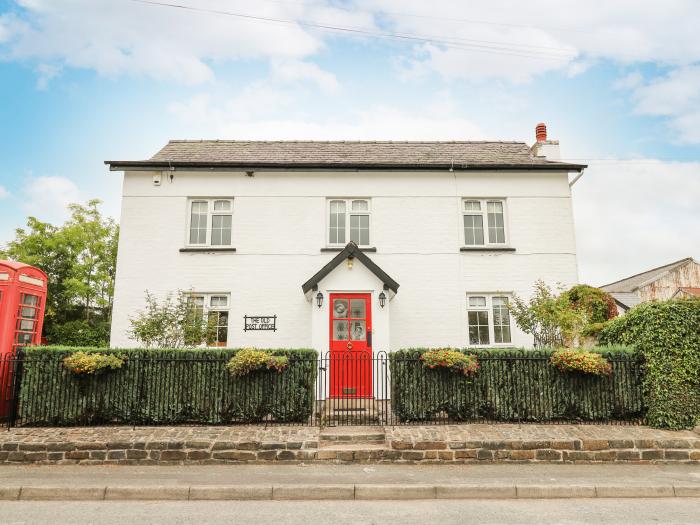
x,y
349,263
382,299
319,299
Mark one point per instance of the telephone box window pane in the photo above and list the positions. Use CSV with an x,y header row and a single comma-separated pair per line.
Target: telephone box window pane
x,y
30,300
358,330
28,313
357,308
25,325
340,307
23,339
340,330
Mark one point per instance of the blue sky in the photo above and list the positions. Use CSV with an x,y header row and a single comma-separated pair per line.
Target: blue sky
x,y
619,85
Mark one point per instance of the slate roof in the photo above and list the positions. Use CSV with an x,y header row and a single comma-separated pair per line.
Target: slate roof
x,y
631,284
626,299
346,154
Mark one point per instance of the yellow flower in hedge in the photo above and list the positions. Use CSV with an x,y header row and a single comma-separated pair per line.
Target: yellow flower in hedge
x,y
568,360
466,364
251,359
84,363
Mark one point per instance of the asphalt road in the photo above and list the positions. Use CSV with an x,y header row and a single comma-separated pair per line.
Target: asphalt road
x,y
542,512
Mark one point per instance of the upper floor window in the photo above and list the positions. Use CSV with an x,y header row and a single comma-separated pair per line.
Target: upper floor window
x,y
484,222
488,319
348,220
210,222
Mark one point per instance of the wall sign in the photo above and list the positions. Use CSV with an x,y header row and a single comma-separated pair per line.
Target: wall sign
x,y
260,322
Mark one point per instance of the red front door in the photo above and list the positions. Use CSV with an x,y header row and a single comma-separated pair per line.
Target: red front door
x,y
351,345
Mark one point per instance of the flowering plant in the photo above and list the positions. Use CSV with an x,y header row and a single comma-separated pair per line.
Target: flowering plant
x,y
458,362
250,359
84,363
567,360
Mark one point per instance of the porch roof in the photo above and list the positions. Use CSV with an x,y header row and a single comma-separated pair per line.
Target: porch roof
x,y
351,250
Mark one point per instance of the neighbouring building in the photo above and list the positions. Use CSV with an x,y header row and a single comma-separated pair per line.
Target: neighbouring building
x,y
675,280
347,245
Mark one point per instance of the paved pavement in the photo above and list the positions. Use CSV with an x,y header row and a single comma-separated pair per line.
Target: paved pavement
x,y
347,482
484,512
174,475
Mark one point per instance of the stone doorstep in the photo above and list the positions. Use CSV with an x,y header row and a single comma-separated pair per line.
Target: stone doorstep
x,y
410,491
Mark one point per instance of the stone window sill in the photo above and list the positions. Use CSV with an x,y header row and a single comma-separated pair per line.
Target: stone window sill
x,y
340,249
486,249
207,249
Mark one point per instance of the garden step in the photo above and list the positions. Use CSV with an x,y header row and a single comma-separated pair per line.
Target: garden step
x,y
356,446
352,435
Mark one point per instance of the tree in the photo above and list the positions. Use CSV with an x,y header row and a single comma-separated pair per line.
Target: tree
x,y
173,323
79,258
563,319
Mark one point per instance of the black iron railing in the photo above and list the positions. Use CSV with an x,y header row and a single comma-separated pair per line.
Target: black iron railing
x,y
333,389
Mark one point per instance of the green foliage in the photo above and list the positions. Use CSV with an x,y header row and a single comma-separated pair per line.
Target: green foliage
x,y
516,385
171,386
598,304
81,333
568,360
250,360
667,334
79,258
562,320
84,363
172,323
466,364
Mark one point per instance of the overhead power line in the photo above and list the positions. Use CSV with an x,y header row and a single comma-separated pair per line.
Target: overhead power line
x,y
503,48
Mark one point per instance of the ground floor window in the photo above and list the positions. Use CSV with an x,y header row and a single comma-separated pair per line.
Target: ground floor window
x,y
488,319
215,308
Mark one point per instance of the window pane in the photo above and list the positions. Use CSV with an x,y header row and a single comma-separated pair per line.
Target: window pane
x,y
198,222
495,222
340,330
360,206
501,320
357,331
221,230
219,301
477,301
359,229
222,205
336,233
473,230
472,206
478,327
357,308
340,307
30,300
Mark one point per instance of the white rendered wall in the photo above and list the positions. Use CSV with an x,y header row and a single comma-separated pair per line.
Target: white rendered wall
x,y
279,227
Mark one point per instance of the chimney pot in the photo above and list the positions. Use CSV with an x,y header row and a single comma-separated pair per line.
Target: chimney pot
x,y
541,132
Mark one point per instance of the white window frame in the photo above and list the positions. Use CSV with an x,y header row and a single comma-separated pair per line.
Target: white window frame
x,y
484,203
210,213
348,213
207,308
489,309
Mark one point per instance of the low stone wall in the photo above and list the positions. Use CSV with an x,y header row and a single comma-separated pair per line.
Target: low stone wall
x,y
415,444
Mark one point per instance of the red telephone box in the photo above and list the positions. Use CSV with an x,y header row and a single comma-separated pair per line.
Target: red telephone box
x,y
22,305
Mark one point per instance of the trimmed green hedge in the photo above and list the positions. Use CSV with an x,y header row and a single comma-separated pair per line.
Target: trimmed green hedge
x,y
667,334
516,385
164,387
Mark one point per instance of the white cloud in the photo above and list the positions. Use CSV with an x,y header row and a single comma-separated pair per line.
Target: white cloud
x,y
47,197
123,37
516,40
297,70
676,96
3,192
249,116
635,215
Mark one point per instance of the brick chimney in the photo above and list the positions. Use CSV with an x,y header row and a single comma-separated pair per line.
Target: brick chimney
x,y
543,147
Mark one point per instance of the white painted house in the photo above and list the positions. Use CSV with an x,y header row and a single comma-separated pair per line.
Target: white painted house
x,y
415,243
